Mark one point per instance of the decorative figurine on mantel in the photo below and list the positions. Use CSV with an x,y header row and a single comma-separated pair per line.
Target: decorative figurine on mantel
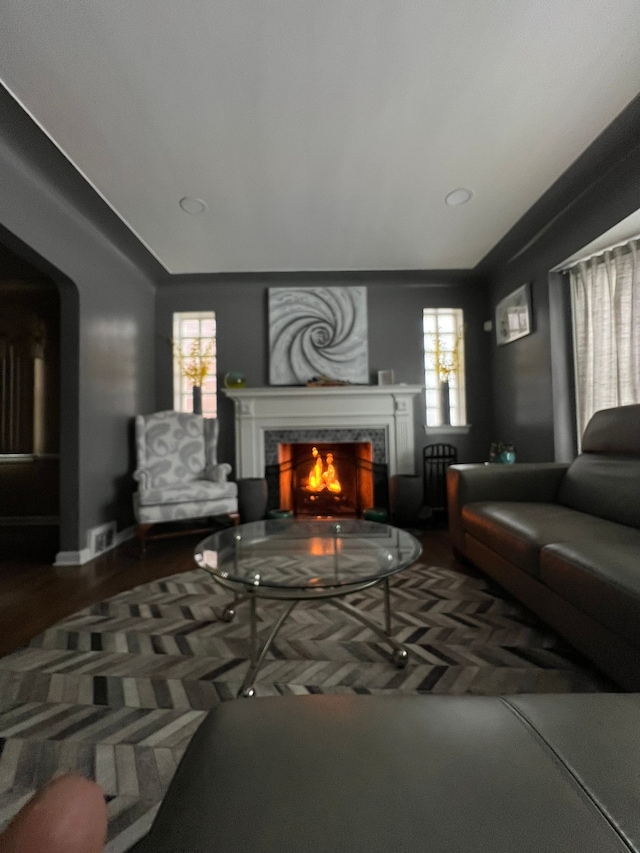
x,y
322,381
234,379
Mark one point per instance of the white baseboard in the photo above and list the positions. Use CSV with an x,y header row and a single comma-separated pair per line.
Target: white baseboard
x,y
79,558
72,558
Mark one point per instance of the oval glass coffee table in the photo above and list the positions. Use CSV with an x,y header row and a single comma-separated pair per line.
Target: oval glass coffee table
x,y
296,561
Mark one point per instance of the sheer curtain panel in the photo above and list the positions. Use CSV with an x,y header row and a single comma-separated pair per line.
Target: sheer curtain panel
x,y
605,298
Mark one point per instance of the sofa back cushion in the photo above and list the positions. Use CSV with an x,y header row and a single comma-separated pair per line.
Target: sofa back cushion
x,y
171,447
605,479
614,431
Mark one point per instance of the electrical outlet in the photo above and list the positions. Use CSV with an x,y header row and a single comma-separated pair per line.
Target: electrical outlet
x,y
102,538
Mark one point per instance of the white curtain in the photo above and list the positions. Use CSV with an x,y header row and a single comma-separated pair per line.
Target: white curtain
x,y
605,298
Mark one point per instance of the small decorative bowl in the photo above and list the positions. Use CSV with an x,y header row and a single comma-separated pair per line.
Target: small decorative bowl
x,y
234,379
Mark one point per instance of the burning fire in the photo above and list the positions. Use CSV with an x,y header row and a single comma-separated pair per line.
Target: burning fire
x,y
323,476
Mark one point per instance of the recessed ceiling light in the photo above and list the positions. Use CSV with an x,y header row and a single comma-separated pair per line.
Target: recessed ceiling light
x,y
459,196
193,205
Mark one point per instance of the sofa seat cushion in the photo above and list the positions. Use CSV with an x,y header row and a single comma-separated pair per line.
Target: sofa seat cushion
x,y
518,530
406,773
600,576
158,513
595,736
198,490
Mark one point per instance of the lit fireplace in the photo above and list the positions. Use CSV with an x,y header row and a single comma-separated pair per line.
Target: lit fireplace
x,y
326,480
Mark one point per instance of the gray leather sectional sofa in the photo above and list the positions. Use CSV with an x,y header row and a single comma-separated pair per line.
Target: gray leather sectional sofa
x,y
565,539
403,774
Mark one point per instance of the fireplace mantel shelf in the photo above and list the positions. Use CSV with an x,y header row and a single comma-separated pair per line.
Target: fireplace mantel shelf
x,y
388,407
304,390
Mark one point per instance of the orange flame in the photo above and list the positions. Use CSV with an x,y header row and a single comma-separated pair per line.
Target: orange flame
x,y
321,477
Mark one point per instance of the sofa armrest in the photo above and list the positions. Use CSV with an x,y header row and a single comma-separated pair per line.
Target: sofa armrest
x,y
143,476
218,473
533,481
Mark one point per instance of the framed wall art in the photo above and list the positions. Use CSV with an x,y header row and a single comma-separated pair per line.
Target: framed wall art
x,y
317,333
513,315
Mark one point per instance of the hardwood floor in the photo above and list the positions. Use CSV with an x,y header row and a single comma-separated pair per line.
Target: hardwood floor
x,y
34,596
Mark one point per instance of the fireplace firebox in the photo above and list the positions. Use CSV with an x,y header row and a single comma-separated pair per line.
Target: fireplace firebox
x,y
326,480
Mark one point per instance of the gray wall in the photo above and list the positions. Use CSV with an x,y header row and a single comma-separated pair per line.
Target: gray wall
x,y
395,303
107,320
523,371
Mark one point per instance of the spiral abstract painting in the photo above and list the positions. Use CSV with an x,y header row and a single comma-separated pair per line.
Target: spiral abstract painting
x,y
318,332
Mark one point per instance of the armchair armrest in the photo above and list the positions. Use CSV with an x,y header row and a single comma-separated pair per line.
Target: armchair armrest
x,y
143,476
533,481
218,473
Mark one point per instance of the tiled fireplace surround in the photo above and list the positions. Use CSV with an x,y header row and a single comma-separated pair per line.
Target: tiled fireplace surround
x,y
266,417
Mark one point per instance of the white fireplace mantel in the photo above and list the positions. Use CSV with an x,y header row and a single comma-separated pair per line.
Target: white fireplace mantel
x,y
388,407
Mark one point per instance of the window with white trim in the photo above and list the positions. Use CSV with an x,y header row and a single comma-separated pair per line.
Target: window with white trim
x,y
194,360
444,379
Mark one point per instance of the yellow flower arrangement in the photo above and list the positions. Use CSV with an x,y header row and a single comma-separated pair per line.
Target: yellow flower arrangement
x,y
197,362
447,361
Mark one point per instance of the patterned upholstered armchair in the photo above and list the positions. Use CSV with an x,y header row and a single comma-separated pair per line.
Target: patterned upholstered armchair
x,y
178,472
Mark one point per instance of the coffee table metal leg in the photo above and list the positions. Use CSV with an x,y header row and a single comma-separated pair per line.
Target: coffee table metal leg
x,y
255,661
253,631
400,654
387,608
230,610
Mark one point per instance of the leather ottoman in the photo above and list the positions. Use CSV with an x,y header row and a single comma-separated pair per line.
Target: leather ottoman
x,y
376,774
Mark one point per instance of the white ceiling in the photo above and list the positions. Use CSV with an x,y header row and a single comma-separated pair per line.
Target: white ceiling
x,y
322,134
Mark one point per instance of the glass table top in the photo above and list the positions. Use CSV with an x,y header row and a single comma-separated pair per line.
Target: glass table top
x,y
307,555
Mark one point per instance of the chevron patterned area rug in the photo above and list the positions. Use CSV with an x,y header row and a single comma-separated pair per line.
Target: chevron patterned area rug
x,y
116,691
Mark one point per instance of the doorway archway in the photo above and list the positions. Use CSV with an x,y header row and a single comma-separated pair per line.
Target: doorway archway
x,y
39,504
